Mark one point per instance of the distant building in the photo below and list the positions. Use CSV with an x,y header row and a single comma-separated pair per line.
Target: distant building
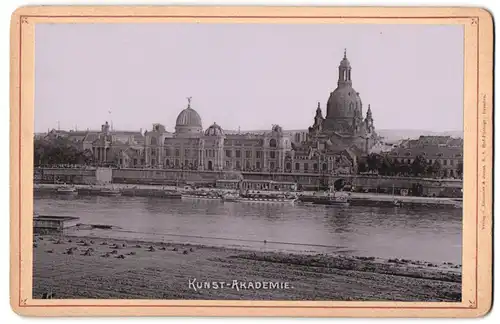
x,y
441,141
445,150
106,145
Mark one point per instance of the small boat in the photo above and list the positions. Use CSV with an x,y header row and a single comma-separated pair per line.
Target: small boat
x,y
201,195
67,190
110,192
266,198
172,194
332,200
230,197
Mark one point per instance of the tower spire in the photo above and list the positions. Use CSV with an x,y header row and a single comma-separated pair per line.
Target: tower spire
x,y
345,53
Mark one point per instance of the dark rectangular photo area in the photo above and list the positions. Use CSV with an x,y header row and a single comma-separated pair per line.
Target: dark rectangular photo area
x,y
239,161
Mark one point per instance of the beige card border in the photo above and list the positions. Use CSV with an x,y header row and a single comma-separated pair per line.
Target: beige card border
x,y
478,131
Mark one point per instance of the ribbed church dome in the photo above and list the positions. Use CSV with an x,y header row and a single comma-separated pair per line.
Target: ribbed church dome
x,y
344,102
188,117
188,122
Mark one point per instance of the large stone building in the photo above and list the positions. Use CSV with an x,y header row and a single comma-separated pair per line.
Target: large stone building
x,y
189,147
106,145
444,150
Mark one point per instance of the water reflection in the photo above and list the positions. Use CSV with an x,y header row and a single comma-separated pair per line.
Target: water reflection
x,y
424,234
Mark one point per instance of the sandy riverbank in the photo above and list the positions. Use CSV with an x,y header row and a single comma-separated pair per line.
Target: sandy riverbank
x,y
123,269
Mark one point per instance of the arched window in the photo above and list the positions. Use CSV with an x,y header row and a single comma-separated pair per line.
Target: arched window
x,y
272,154
289,166
272,142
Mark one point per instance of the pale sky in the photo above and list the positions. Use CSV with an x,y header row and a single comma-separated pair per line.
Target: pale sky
x,y
244,75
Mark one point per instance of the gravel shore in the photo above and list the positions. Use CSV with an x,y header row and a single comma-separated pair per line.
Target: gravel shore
x,y
92,267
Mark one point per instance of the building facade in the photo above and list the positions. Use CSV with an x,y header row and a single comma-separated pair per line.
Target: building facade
x,y
189,147
445,151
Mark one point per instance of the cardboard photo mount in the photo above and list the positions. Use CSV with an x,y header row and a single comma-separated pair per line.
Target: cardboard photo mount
x,y
478,159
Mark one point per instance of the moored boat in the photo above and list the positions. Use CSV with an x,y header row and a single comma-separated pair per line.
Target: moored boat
x,y
264,197
201,195
65,190
111,192
230,197
331,198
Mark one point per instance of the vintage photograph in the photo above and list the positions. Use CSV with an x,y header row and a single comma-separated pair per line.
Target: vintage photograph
x,y
242,161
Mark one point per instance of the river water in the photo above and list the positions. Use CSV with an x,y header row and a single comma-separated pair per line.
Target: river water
x,y
433,235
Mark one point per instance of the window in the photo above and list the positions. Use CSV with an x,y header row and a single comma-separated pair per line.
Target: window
x,y
451,162
238,153
297,166
186,152
154,141
315,167
325,167
153,162
247,165
257,154
306,166
167,162
167,151
272,142
153,152
272,166
228,164
289,166
228,153
272,154
238,165
177,152
445,162
177,162
248,154
257,165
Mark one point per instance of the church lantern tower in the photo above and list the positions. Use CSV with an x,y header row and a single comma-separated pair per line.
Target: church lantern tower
x,y
344,72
